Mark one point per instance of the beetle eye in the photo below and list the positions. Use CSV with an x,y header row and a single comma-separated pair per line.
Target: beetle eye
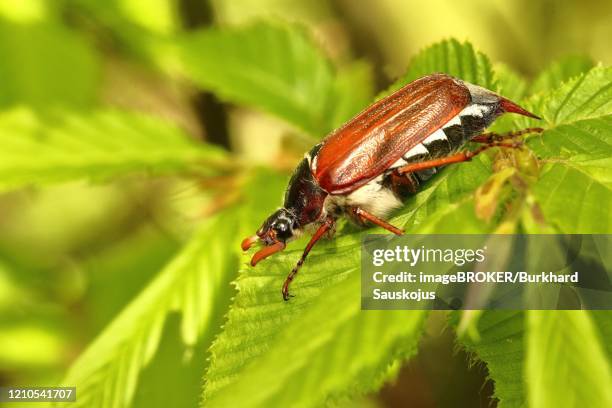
x,y
283,229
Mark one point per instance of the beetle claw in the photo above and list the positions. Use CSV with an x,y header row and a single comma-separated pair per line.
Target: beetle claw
x,y
286,294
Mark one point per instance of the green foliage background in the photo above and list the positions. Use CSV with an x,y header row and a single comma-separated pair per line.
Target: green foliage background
x,y
140,141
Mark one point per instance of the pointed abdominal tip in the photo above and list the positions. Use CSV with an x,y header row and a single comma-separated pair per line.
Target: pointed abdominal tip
x,y
509,106
266,252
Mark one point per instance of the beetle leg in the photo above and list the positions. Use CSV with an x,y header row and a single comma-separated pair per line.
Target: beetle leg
x,y
327,225
455,158
491,137
366,216
402,184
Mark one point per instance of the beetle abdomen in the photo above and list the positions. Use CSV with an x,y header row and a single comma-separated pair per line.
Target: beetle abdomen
x,y
427,119
453,135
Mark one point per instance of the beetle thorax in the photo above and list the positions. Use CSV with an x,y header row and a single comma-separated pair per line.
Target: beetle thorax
x,y
304,197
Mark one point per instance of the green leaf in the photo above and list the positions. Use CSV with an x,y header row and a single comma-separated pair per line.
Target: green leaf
x,y
47,65
560,71
510,84
579,142
276,68
263,333
107,373
452,57
30,346
156,15
342,347
195,285
573,182
566,365
140,29
584,97
66,146
500,345
603,320
576,153
35,10
572,200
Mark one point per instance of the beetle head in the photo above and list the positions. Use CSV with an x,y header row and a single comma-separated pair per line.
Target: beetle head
x,y
274,233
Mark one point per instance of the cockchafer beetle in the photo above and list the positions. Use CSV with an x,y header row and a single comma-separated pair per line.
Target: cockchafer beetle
x,y
367,167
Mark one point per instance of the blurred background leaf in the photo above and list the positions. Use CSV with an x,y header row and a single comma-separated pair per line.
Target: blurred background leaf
x,y
277,68
556,356
47,65
94,146
560,71
107,373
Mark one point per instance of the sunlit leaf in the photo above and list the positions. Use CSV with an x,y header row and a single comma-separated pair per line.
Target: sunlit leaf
x,y
26,11
603,320
340,346
107,373
502,346
572,200
30,345
155,15
575,158
40,150
584,97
